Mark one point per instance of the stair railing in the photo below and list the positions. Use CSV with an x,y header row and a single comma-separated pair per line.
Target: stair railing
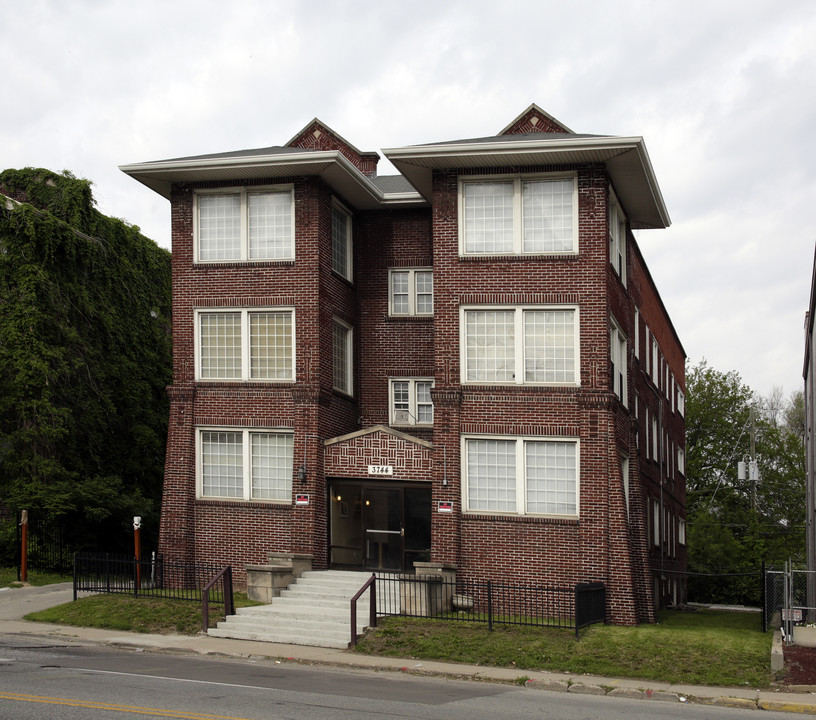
x,y
229,603
372,607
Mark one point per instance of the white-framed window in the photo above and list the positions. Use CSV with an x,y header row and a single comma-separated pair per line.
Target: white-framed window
x,y
243,464
656,522
655,361
647,351
245,345
518,215
681,461
519,345
410,401
617,237
646,430
342,259
624,461
681,531
673,392
618,356
637,334
243,224
681,402
410,291
655,440
520,475
342,355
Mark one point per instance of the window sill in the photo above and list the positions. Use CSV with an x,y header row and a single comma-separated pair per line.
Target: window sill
x,y
482,516
565,255
240,503
227,264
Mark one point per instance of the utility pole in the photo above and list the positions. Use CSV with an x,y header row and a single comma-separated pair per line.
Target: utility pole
x,y
752,468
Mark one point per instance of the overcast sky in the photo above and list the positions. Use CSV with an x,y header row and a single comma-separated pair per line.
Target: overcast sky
x,y
724,94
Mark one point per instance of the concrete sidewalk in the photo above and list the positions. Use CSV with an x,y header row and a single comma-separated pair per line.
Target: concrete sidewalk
x,y
14,604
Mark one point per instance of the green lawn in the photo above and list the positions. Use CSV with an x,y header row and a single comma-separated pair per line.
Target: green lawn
x,y
8,578
696,648
135,614
705,647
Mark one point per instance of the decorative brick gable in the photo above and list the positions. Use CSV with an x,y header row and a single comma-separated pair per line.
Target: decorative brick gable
x,y
350,455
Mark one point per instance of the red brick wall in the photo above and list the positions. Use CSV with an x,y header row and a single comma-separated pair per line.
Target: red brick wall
x,y
603,544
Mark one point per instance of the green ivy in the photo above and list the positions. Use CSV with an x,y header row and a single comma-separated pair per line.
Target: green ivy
x,y
85,357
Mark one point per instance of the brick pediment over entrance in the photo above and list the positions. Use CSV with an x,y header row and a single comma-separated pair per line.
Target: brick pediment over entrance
x,y
350,456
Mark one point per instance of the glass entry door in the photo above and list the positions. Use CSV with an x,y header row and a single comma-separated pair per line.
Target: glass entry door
x,y
383,531
376,526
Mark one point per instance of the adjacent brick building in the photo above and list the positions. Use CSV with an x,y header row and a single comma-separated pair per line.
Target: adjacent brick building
x,y
466,365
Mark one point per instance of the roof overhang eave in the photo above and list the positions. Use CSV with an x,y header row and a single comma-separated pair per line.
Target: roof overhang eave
x,y
626,161
331,165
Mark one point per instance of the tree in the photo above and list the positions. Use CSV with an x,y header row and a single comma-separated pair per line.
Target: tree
x,y
731,520
85,356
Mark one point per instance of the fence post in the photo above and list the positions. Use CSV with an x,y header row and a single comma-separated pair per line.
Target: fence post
x,y
762,598
75,577
489,604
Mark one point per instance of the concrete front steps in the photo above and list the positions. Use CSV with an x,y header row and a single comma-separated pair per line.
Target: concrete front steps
x,y
314,610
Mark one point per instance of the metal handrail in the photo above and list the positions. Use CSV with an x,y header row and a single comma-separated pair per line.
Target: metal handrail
x,y
229,605
372,607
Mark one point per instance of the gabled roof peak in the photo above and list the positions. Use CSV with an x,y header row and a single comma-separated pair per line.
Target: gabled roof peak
x,y
316,135
534,119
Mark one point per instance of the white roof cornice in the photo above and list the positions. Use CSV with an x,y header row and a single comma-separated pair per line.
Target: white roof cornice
x,y
625,158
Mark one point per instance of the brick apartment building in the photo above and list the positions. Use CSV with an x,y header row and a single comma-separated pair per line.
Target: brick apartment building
x,y
463,366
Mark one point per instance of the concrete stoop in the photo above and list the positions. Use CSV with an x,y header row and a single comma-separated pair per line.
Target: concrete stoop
x,y
314,610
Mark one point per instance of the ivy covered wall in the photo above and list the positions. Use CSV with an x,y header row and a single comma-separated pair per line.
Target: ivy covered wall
x,y
85,357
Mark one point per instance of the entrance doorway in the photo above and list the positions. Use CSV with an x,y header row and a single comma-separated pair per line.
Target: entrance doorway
x,y
379,526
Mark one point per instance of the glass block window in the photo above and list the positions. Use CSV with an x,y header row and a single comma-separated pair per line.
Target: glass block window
x,y
222,460
520,345
240,225
245,465
220,346
516,216
245,345
521,476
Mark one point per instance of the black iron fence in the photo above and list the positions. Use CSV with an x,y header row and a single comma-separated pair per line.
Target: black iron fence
x,y
443,597
152,577
48,550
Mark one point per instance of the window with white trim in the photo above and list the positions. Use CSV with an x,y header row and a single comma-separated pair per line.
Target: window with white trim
x,y
342,353
341,241
681,402
656,522
520,215
617,237
244,464
624,461
242,224
637,334
410,291
410,401
522,476
681,531
655,440
647,352
655,361
245,345
618,356
519,345
681,461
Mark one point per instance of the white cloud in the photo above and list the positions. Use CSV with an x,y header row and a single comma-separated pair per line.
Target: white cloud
x,y
721,92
